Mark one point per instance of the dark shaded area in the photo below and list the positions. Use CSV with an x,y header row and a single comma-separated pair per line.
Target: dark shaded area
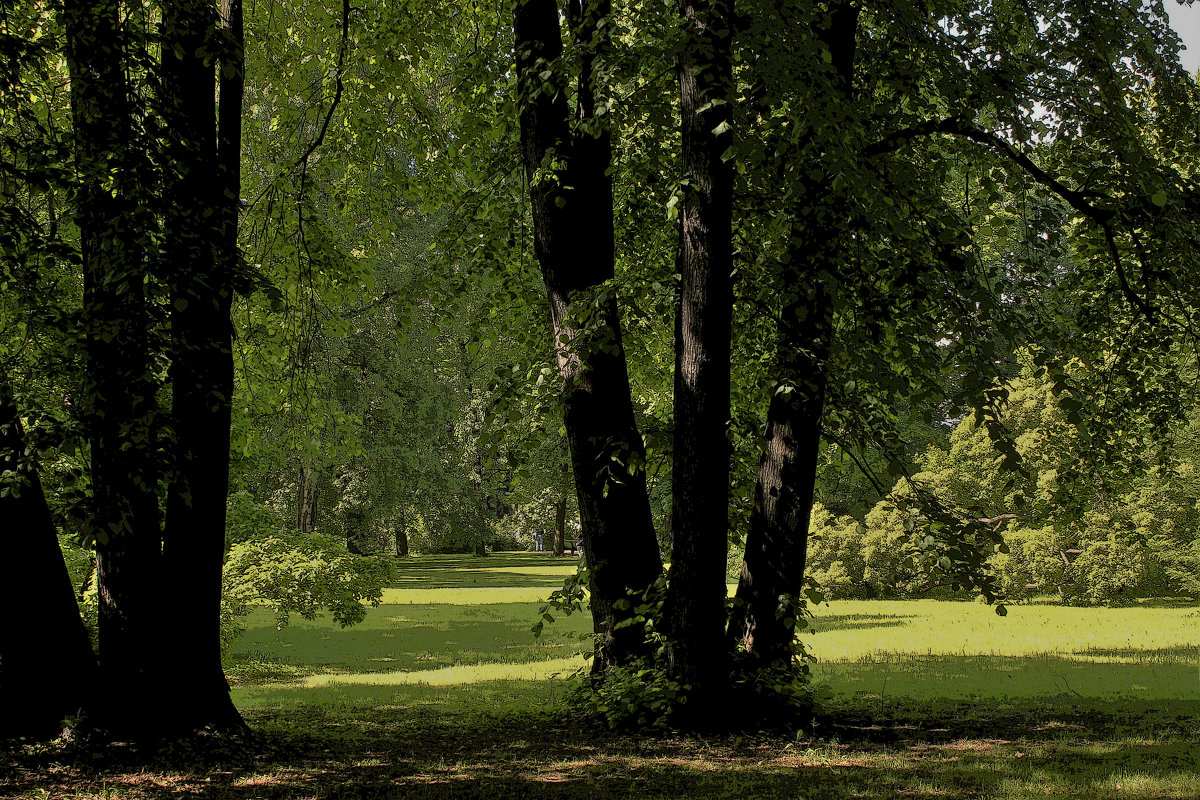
x,y
964,749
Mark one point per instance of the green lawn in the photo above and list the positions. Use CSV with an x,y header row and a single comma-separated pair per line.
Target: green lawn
x,y
443,693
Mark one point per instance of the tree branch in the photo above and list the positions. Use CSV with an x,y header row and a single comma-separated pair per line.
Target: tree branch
x,y
302,162
1080,201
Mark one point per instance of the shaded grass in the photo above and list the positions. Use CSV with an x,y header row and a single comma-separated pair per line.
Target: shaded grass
x,y
442,693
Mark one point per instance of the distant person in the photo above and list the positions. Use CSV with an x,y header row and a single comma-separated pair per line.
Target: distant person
x,y
577,546
537,541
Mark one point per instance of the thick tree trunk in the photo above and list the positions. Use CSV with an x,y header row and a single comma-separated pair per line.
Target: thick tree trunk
x,y
572,208
560,525
695,605
119,393
47,667
201,256
401,541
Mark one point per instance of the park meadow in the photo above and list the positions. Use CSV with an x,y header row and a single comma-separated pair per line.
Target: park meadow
x,y
443,692
599,398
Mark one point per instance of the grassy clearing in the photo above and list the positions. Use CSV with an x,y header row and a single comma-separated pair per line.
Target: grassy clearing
x,y
931,649
442,693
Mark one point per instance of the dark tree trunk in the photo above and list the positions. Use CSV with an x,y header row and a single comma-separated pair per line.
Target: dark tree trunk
x,y
401,541
572,210
358,538
777,544
560,525
119,393
306,501
201,253
695,605
47,666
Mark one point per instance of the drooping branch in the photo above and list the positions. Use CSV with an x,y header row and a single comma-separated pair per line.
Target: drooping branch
x,y
339,87
1079,200
957,126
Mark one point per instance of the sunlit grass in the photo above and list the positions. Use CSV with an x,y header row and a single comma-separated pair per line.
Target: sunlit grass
x,y
929,648
851,629
442,692
467,596
460,675
438,635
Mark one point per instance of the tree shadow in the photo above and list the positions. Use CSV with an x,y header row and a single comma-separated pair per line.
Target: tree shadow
x,y
838,622
372,748
500,570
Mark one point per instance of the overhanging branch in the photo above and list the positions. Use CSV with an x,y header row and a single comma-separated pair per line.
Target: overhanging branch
x,y
1080,201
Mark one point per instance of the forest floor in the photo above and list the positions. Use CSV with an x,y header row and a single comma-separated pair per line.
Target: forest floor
x,y
443,693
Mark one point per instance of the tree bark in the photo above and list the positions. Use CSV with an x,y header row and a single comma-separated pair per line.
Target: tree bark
x,y
695,602
201,253
47,667
572,206
118,405
777,543
401,541
306,501
560,525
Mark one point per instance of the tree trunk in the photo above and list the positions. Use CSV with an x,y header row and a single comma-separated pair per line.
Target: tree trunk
x,y
572,207
47,666
306,501
401,541
358,539
560,526
118,405
201,251
695,604
777,544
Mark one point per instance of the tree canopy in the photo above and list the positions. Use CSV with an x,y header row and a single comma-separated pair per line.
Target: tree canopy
x,y
293,290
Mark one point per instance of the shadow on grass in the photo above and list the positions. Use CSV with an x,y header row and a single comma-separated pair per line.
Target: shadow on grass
x,y
1162,675
499,570
840,622
376,743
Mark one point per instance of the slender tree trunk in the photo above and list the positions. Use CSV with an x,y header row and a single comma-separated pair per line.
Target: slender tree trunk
x,y
47,667
358,539
777,544
201,255
695,605
572,209
560,526
119,394
306,501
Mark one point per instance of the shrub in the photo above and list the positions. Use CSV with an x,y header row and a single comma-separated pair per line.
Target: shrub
x,y
292,572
